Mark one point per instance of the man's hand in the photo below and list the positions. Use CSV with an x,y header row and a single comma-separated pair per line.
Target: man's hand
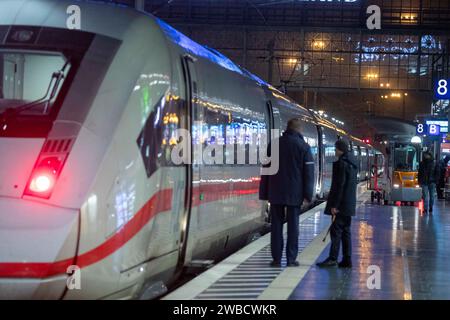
x,y
334,211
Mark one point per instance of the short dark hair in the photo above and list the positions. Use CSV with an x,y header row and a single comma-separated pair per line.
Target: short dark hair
x,y
294,124
342,145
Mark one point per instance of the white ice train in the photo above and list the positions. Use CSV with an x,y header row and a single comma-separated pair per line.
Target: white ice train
x,y
86,127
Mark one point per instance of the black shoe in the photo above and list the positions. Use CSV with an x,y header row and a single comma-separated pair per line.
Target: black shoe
x,y
345,264
275,264
293,264
431,209
327,263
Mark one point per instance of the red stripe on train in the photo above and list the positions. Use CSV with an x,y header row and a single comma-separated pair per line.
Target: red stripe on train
x,y
158,203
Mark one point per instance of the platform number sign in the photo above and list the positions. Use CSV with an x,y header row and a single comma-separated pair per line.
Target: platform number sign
x,y
421,129
442,89
434,130
428,129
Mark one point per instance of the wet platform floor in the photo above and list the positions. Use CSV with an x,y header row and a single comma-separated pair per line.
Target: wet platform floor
x,y
398,253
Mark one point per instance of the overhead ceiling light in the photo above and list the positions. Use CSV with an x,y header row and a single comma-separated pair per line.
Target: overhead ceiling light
x,y
318,44
372,76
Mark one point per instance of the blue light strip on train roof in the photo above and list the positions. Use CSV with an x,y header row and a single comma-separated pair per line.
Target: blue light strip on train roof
x,y
204,52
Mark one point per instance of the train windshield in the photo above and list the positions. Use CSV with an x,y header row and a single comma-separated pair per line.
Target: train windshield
x,y
30,81
39,67
406,159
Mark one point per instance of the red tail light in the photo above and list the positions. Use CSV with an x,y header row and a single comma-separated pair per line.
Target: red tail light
x,y
42,183
47,169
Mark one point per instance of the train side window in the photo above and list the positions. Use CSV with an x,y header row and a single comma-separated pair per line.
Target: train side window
x,y
363,152
159,134
149,141
223,129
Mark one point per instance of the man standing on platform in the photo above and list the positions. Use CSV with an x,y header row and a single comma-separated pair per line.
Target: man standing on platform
x,y
428,178
341,206
287,190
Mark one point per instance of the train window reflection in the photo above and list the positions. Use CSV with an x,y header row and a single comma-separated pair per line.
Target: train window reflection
x,y
223,128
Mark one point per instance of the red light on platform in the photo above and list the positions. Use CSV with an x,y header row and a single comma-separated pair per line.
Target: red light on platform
x,y
421,206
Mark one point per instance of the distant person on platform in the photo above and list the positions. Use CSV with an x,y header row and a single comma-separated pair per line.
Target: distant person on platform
x,y
442,174
428,177
287,190
341,206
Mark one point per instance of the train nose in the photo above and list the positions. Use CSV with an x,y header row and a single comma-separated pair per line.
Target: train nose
x,y
37,245
38,241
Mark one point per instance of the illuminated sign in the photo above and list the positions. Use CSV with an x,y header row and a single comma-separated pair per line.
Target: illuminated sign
x,y
442,89
434,130
445,148
432,127
421,129
443,124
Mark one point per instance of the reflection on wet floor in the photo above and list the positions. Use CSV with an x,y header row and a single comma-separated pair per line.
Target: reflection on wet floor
x,y
412,251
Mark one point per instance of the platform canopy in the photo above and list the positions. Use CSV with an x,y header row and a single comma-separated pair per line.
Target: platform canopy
x,y
392,129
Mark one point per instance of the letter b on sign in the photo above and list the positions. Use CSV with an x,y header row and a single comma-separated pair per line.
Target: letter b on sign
x,y
374,280
74,20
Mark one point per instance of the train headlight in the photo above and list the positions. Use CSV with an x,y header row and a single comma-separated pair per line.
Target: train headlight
x,y
417,186
44,176
48,168
41,183
396,186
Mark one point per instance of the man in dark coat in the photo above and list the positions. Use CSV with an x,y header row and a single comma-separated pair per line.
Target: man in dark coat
x,y
341,206
287,190
428,177
442,172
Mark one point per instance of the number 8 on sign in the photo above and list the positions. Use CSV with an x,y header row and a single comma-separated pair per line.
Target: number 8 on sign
x,y
442,87
420,128
442,91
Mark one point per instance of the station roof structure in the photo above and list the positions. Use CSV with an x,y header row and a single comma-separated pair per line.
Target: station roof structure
x,y
322,54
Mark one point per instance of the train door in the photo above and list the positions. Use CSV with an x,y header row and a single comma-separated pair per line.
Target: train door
x,y
276,118
321,159
364,163
192,170
357,155
329,138
311,136
274,123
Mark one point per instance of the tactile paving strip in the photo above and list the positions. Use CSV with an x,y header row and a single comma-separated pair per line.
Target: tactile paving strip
x,y
248,280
